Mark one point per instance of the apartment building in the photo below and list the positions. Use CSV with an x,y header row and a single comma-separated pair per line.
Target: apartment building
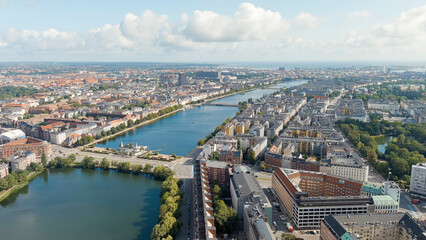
x,y
389,226
26,144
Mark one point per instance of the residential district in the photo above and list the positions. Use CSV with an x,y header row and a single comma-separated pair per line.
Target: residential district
x,y
301,163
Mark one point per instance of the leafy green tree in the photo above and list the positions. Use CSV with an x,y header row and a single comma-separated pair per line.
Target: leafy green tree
x,y
225,217
88,162
251,157
44,159
105,164
147,168
288,236
262,166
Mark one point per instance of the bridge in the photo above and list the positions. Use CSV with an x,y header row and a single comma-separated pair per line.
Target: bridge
x,y
222,104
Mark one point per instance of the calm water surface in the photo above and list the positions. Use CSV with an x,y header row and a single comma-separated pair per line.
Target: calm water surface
x,y
382,142
82,204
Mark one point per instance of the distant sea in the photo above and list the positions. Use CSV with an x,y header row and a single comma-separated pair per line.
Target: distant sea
x,y
307,64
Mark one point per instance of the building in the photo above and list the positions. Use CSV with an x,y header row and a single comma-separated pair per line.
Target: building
x,y
231,157
10,136
383,105
256,226
209,75
351,108
182,79
240,128
308,197
26,144
389,226
353,168
4,170
418,179
385,204
386,196
218,171
21,161
245,188
203,204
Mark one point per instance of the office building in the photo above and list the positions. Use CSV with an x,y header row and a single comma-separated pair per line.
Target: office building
x,y
308,197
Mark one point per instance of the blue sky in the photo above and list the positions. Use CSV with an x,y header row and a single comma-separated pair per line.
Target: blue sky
x,y
212,30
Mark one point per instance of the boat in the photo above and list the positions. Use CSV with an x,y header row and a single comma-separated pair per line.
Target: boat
x,y
164,145
193,122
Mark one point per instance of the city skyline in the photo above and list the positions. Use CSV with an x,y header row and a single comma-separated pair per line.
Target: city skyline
x,y
212,31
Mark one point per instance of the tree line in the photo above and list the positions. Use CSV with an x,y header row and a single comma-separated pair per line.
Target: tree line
x,y
14,92
162,112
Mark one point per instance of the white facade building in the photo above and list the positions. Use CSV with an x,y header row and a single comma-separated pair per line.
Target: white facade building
x,y
418,179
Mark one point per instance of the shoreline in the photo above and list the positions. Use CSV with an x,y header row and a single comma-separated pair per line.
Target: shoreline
x,y
18,187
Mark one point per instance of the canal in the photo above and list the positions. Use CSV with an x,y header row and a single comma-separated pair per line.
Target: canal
x,y
180,132
82,204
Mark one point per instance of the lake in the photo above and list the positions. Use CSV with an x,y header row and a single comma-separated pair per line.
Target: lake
x,y
82,204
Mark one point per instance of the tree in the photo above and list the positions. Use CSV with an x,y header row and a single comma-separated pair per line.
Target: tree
x,y
262,166
105,164
251,157
288,236
174,155
130,123
88,162
136,168
225,217
147,168
123,167
201,142
43,159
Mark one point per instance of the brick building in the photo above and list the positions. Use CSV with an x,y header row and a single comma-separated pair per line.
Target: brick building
x,y
24,145
231,157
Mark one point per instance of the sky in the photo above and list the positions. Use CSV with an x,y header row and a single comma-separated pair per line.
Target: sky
x,y
212,30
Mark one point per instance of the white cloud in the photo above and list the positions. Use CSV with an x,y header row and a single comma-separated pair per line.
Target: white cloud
x,y
4,2
251,33
48,40
359,15
249,23
306,20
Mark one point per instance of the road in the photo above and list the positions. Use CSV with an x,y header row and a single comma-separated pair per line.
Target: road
x,y
187,218
414,209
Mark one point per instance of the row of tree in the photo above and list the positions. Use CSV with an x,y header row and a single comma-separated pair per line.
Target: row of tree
x,y
162,112
59,162
171,199
159,172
